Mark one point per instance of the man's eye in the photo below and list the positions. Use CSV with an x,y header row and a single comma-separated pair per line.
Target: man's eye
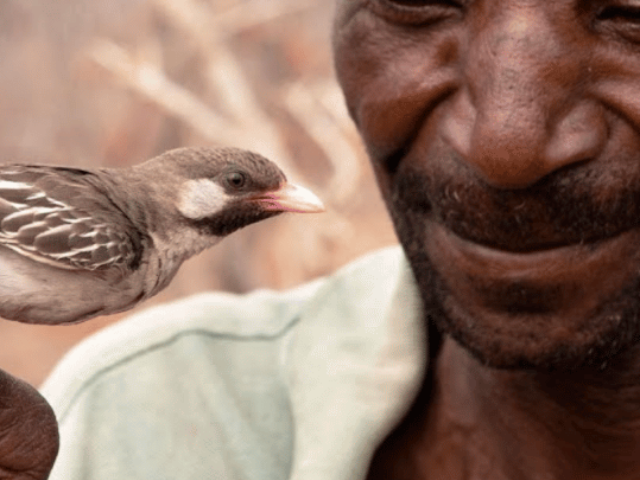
x,y
412,3
621,10
416,12
623,19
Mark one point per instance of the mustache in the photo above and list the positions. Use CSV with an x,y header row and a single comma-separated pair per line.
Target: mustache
x,y
579,205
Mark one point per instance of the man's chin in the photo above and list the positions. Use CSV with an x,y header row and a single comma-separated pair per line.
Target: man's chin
x,y
531,348
544,339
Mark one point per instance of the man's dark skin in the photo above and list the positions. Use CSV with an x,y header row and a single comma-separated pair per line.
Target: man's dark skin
x,y
28,431
505,137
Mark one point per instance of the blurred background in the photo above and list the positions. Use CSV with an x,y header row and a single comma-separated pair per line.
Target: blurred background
x,y
114,82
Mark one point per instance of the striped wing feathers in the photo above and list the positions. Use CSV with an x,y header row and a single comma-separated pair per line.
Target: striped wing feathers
x,y
41,217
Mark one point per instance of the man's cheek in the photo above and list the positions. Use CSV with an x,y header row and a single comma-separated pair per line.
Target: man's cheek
x,y
391,89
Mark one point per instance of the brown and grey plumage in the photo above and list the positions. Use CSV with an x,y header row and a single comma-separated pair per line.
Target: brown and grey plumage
x,y
76,243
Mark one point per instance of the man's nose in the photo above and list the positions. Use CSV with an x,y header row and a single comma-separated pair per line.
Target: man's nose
x,y
522,111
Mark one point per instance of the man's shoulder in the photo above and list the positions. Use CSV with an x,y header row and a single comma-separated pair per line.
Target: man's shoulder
x,y
210,319
226,381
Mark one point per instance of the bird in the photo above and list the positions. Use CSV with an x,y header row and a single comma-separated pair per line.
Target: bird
x,y
77,243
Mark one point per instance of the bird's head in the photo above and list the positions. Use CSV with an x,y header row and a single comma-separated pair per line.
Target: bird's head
x,y
221,190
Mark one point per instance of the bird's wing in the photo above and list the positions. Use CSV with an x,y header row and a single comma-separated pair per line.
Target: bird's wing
x,y
42,217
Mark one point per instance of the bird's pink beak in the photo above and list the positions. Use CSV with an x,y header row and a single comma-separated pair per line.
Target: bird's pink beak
x,y
291,198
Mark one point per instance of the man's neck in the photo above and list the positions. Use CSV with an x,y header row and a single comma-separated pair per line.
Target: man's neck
x,y
482,423
488,423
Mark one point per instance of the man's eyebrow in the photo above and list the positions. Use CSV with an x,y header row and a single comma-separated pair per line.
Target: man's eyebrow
x,y
617,6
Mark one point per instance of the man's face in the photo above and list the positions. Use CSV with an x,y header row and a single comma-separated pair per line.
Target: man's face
x,y
505,137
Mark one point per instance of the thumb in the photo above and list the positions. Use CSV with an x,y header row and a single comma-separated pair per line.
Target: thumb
x,y
28,431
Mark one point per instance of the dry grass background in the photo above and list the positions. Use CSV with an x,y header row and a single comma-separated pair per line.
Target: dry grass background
x,y
114,82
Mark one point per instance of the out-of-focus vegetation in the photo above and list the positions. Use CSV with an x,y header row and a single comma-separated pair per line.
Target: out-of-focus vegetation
x,y
114,82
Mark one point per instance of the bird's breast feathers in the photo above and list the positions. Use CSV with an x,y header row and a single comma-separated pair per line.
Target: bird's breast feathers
x,y
41,217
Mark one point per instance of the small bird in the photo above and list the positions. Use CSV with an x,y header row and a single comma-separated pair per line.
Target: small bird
x,y
77,243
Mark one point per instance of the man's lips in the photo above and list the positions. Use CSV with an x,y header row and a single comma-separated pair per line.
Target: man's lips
x,y
531,227
571,279
554,262
581,205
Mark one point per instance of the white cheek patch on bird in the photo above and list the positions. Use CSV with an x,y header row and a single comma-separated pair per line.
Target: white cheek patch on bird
x,y
201,198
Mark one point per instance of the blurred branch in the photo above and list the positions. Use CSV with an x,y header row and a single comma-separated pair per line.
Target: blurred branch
x,y
257,132
304,104
199,18
148,81
227,76
252,13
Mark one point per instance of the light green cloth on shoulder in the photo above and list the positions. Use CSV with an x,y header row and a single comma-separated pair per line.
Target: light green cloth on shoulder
x,y
298,385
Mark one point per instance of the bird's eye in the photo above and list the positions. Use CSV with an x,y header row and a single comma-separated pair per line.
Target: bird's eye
x,y
236,180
